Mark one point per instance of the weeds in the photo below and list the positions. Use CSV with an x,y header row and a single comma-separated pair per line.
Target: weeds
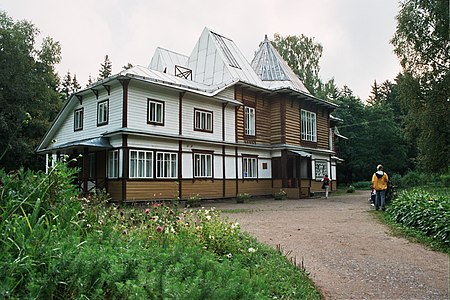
x,y
57,245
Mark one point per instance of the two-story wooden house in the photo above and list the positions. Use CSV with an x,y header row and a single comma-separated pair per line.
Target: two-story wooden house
x,y
209,123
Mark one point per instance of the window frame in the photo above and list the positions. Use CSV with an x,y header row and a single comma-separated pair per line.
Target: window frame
x,y
106,117
206,113
79,111
249,131
308,131
113,170
161,166
158,103
246,163
197,157
143,167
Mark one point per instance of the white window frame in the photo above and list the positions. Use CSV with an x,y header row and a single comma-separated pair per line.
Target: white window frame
x,y
309,126
141,164
113,164
203,120
155,112
203,165
250,128
102,112
249,167
166,165
78,116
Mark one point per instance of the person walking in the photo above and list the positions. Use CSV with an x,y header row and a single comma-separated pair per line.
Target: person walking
x,y
380,183
326,185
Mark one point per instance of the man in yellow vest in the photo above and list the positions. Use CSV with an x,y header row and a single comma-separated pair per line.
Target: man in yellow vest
x,y
380,184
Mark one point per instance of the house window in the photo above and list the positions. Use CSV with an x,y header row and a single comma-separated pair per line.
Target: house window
x,y
102,112
166,165
78,119
309,126
321,169
249,167
141,164
113,164
203,165
155,112
249,121
203,120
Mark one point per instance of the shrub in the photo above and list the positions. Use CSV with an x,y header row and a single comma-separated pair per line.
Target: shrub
x,y
365,185
241,198
350,189
428,212
194,200
281,195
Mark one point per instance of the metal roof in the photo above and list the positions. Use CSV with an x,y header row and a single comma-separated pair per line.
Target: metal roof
x,y
165,60
273,70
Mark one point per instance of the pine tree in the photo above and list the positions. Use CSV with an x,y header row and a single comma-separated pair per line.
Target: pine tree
x,y
89,81
105,69
67,85
75,84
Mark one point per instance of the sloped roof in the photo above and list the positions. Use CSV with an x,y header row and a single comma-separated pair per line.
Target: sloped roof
x,y
273,70
216,59
165,60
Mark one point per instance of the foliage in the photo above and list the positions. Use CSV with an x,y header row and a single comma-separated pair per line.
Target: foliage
x,y
428,212
351,189
29,99
105,69
362,185
422,44
374,137
242,197
302,54
55,245
194,200
70,84
280,195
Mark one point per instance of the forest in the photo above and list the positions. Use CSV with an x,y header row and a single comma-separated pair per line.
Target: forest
x,y
404,124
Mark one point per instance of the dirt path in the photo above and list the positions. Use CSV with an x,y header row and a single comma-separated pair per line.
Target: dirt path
x,y
348,253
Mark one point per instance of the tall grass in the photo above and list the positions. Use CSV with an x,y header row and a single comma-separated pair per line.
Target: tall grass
x,y
57,245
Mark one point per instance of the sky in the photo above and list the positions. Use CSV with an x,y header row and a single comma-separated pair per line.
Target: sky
x,y
355,34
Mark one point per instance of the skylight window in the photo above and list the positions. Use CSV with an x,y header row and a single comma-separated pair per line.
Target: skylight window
x,y
226,51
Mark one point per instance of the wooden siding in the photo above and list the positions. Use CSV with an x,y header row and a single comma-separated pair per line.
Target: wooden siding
x,y
207,189
275,121
138,96
151,190
322,130
230,188
293,122
240,129
255,187
66,131
263,120
115,189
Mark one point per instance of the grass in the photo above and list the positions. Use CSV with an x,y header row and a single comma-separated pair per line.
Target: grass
x,y
58,245
421,215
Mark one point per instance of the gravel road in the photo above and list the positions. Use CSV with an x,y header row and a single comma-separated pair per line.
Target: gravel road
x,y
348,253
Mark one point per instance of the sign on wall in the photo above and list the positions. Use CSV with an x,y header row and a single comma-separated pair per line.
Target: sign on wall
x,y
321,168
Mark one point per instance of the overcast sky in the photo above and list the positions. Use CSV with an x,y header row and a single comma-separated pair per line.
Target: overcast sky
x,y
354,34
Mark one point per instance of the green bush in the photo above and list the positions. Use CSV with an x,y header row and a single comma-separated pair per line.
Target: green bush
x,y
58,246
351,189
428,212
362,185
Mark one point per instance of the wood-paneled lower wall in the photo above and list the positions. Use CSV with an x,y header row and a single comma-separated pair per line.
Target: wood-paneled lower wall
x,y
149,190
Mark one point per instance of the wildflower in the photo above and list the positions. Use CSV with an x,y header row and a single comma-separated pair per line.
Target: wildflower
x,y
124,231
208,218
229,255
251,250
159,228
155,218
147,211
